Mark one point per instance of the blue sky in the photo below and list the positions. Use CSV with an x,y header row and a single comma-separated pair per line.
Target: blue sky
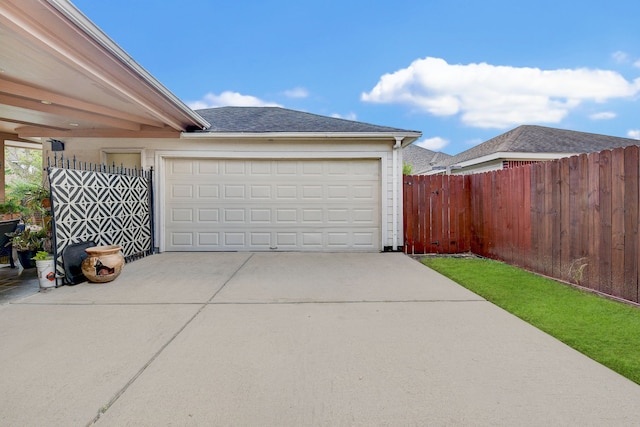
x,y
461,72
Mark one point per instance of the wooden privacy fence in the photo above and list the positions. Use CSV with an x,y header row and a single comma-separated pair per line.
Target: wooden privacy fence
x,y
437,215
574,219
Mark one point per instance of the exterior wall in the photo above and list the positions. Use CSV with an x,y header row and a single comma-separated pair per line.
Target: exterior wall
x,y
154,151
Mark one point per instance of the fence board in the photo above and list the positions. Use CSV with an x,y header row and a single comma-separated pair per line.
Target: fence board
x,y
445,207
455,191
487,223
466,222
516,204
430,241
509,207
537,203
583,208
553,210
617,221
630,283
592,274
423,211
526,216
565,220
605,251
574,215
476,213
408,213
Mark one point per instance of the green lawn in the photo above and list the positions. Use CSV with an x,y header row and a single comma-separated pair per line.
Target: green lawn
x,y
605,330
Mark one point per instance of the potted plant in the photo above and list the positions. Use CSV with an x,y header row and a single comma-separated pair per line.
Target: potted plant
x,y
46,273
11,209
26,244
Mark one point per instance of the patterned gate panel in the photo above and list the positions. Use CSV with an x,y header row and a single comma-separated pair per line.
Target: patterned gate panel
x,y
106,208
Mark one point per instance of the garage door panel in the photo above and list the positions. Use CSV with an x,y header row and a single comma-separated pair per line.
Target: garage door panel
x,y
286,192
234,191
234,216
209,240
260,192
182,191
286,240
272,205
209,191
234,168
182,239
182,167
182,215
260,239
260,216
208,215
209,167
312,216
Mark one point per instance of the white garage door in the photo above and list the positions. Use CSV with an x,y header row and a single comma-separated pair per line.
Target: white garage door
x,y
262,205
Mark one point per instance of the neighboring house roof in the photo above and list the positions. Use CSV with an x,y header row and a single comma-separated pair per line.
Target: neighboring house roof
x,y
261,120
541,140
62,76
421,159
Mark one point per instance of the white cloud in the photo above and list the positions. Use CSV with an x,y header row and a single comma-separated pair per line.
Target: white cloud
x,y
634,134
620,56
297,92
434,144
604,115
230,99
350,116
490,96
637,64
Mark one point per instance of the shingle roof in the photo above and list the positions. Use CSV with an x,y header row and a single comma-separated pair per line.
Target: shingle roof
x,y
540,139
276,119
421,159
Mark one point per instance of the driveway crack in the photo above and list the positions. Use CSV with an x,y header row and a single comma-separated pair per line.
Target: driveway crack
x,y
133,379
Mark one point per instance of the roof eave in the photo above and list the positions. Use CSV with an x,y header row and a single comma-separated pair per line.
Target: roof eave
x,y
512,156
407,137
179,110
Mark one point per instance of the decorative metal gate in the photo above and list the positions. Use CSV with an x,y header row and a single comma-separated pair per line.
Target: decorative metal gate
x,y
108,205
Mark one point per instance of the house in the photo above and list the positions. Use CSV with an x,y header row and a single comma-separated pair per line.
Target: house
x,y
225,178
421,159
527,144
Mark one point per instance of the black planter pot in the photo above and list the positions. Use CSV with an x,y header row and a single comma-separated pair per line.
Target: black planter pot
x,y
25,259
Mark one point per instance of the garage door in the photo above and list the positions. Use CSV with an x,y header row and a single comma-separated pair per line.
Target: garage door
x,y
266,205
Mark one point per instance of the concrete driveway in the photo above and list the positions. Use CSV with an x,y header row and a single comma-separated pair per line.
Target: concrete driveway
x,y
290,339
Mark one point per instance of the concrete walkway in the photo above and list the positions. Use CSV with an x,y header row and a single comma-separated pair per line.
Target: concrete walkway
x,y
290,339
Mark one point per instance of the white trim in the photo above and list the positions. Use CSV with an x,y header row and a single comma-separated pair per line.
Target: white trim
x,y
249,155
507,155
394,192
162,156
384,193
408,137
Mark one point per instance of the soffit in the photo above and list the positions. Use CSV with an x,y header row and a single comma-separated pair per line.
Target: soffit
x,y
61,76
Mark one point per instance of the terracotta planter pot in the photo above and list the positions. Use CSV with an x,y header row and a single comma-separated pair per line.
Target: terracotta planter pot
x,y
103,263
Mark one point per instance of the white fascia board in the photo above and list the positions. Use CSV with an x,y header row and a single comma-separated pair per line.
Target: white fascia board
x,y
74,15
507,155
408,137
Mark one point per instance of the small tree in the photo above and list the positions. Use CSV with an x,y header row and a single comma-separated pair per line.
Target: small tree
x,y
407,169
22,165
24,191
